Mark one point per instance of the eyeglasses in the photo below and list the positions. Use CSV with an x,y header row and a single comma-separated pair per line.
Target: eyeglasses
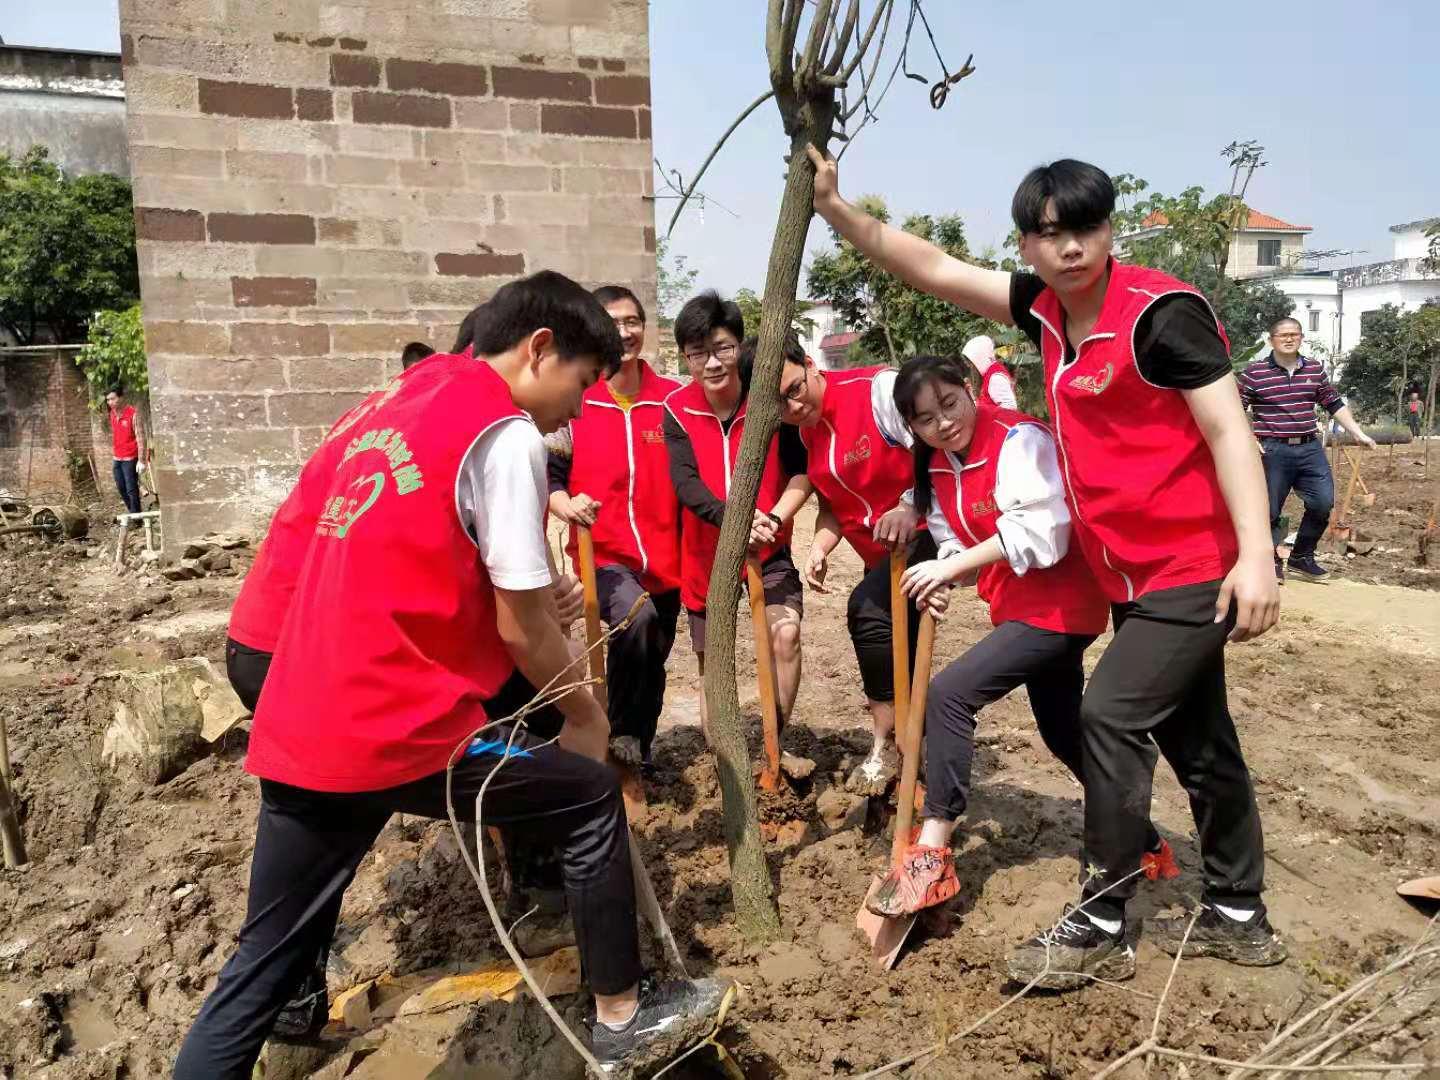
x,y
796,390
630,322
724,353
951,410
1293,335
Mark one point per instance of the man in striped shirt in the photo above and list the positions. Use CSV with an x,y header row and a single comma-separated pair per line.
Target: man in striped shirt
x,y
1281,390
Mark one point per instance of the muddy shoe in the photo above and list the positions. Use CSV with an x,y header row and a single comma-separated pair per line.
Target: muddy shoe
x,y
1159,864
1308,567
671,1016
926,878
1077,951
307,1012
626,750
876,773
796,767
1252,943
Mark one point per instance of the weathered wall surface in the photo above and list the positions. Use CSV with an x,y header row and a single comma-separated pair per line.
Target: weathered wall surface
x,y
318,183
44,417
71,102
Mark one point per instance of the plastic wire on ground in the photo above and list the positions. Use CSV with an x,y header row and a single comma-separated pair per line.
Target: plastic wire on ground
x,y
546,695
940,1046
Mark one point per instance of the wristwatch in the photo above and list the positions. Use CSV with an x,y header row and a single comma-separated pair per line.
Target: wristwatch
x,y
775,518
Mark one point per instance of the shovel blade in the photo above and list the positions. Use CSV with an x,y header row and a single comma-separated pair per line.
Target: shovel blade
x,y
886,936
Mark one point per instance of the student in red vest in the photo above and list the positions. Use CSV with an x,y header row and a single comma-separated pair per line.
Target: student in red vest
x,y
989,480
425,586
127,440
996,384
704,424
857,448
609,470
1173,519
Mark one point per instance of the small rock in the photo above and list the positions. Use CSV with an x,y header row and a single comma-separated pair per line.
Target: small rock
x,y
182,892
194,549
214,561
184,570
136,608
796,767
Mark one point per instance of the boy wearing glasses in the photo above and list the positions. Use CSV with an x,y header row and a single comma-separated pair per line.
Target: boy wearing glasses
x,y
1170,506
704,425
857,448
609,472
1282,390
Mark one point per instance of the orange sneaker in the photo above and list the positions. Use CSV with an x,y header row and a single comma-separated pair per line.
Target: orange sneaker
x,y
924,879
1160,864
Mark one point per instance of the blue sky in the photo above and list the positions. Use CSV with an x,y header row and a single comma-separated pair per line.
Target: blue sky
x,y
1342,95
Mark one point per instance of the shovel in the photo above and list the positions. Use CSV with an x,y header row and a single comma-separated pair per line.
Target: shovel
x,y
765,672
631,787
887,935
899,642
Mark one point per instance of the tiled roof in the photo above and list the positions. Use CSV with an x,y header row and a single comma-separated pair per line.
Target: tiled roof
x,y
1257,220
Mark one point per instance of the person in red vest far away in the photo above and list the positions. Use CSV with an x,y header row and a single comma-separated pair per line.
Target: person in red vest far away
x,y
857,450
127,439
997,385
1172,517
704,424
609,471
424,590
988,478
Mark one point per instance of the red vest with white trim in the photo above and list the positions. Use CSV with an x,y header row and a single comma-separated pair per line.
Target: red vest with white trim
x,y
620,459
715,455
852,465
125,445
1142,482
1063,597
995,371
390,646
264,596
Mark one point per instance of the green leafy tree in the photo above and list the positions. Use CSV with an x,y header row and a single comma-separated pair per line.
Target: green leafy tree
x,y
1431,263
894,319
1398,351
67,247
674,282
114,353
750,308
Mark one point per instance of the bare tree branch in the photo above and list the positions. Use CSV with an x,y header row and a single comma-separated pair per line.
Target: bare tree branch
x,y
695,181
852,19
864,46
820,27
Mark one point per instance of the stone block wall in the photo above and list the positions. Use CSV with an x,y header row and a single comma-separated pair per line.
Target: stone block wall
x,y
318,183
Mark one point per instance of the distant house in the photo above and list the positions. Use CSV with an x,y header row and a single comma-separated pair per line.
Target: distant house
x,y
1263,245
1401,280
70,101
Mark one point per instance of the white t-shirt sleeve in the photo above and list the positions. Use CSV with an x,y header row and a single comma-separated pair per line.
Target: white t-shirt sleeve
x,y
1001,389
500,494
887,415
1034,522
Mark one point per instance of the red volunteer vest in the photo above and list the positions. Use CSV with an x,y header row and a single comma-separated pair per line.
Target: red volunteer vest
x,y
1141,480
1063,597
124,445
715,455
852,465
621,460
264,597
993,372
391,644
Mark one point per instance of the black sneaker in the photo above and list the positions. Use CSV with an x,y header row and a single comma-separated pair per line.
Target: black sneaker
x,y
1253,943
1306,566
1077,951
672,1016
308,1011
1279,571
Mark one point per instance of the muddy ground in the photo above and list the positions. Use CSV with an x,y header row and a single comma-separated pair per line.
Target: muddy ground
x,y
110,940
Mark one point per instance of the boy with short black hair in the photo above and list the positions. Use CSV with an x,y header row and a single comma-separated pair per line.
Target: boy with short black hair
x,y
610,473
1171,514
425,587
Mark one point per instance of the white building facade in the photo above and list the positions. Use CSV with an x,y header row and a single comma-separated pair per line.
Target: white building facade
x,y
1401,280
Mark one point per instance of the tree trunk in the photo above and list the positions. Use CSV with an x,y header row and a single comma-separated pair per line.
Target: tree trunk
x,y
755,910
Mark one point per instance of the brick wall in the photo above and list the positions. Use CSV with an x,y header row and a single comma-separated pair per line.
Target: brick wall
x,y
44,416
318,183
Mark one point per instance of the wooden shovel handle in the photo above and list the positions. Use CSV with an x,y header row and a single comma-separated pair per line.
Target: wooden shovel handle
x,y
914,734
900,643
592,613
766,674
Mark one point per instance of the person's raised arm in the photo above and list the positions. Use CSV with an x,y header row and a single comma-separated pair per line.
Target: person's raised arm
x,y
908,257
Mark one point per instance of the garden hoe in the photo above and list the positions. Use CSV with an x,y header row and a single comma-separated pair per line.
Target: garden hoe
x,y
631,786
887,935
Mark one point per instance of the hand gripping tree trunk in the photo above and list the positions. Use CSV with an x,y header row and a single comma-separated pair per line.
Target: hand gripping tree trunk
x,y
804,87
